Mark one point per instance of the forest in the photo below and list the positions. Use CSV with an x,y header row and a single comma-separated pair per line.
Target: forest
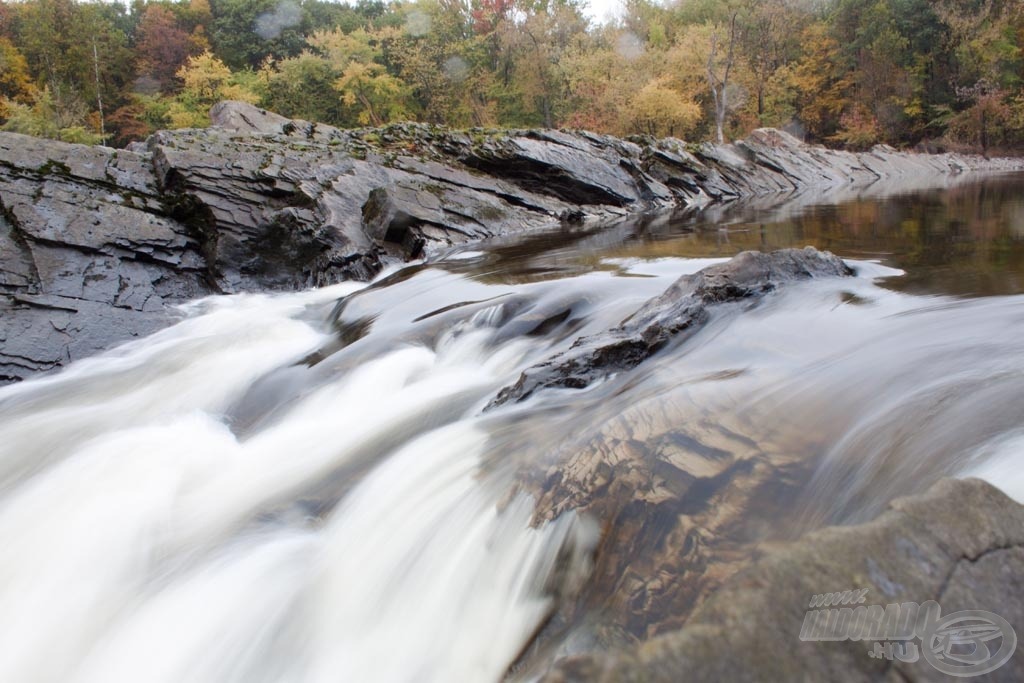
x,y
931,74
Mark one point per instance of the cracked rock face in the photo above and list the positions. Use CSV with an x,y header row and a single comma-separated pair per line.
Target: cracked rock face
x,y
95,243
88,257
958,544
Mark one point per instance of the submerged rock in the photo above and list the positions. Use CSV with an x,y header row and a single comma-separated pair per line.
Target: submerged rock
x,y
95,243
680,488
957,544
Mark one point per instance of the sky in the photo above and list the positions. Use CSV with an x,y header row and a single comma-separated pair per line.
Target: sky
x,y
602,10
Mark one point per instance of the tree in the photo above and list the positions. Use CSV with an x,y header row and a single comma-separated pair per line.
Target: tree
x,y
380,95
535,44
721,58
989,40
600,82
6,21
303,87
15,81
206,80
770,40
244,33
436,64
988,121
821,83
364,82
858,128
44,118
661,111
894,52
80,52
162,46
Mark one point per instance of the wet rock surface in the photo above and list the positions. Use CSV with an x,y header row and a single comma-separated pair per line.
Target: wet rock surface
x,y
692,482
958,544
680,487
96,244
673,317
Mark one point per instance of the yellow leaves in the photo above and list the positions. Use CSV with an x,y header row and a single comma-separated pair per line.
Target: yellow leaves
x,y
356,75
207,80
686,60
381,95
200,11
15,81
359,46
204,77
815,68
659,110
364,82
822,86
240,93
181,116
914,109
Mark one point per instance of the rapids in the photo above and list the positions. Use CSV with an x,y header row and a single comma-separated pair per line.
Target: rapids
x,y
307,487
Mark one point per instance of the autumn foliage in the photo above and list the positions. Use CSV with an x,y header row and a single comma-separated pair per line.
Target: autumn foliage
x,y
851,73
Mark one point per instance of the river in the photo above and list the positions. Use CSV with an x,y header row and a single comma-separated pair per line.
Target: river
x,y
310,487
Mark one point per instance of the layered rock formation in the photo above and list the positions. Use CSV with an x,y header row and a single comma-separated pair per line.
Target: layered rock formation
x,y
96,243
89,253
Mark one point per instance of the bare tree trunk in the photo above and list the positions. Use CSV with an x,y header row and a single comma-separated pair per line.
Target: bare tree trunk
x,y
375,120
984,133
719,84
99,95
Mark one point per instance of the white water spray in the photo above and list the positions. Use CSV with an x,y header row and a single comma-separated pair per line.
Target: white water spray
x,y
145,541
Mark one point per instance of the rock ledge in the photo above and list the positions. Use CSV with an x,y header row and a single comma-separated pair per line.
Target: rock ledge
x,y
96,243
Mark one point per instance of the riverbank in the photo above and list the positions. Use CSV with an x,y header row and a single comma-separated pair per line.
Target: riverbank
x,y
96,244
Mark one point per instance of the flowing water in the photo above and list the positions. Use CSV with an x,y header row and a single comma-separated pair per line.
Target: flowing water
x,y
307,487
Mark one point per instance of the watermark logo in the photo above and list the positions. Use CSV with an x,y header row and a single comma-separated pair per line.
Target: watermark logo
x,y
966,643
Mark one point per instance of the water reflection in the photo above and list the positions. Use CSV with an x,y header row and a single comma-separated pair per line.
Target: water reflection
x,y
964,240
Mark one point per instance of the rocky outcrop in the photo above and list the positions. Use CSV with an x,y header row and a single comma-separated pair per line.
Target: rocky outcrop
x,y
95,243
672,317
959,544
89,255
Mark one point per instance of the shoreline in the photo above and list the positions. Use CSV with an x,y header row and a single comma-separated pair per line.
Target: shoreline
x,y
96,244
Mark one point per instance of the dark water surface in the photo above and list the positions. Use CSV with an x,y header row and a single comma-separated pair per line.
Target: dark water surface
x,y
963,240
